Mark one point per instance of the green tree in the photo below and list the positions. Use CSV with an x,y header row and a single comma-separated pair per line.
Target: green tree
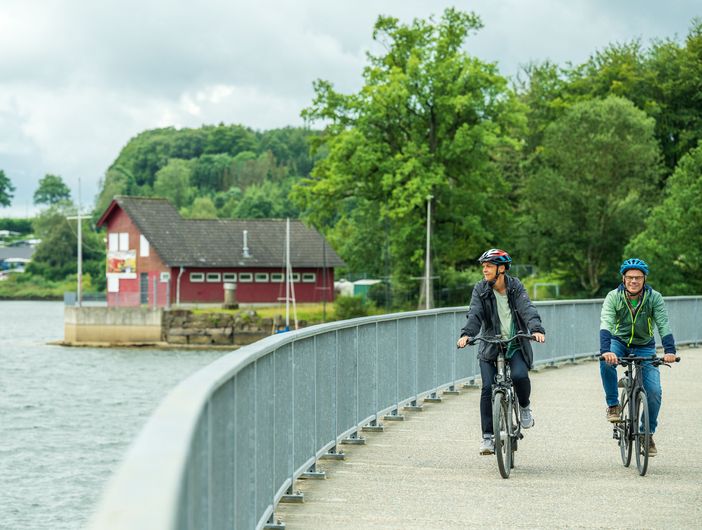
x,y
6,190
173,182
56,256
202,208
209,172
590,188
269,200
51,190
672,239
429,120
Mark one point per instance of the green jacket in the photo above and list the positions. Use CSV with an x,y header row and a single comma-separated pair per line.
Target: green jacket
x,y
617,320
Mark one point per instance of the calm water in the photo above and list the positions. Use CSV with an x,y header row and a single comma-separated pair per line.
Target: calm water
x,y
67,415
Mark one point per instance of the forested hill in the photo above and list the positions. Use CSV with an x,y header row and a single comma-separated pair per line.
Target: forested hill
x,y
213,171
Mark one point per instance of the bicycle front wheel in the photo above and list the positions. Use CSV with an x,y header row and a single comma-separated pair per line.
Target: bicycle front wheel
x,y
503,441
642,432
625,427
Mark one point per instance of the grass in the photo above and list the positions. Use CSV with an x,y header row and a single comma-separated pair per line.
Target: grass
x,y
308,312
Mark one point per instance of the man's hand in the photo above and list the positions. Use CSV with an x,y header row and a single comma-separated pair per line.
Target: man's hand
x,y
610,358
462,342
669,358
539,337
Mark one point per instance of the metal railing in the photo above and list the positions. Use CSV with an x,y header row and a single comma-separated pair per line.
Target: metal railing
x,y
228,442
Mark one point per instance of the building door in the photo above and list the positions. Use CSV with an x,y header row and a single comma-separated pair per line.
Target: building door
x,y
144,288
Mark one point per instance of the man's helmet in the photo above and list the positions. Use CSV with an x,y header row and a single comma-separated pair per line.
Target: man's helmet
x,y
496,256
633,263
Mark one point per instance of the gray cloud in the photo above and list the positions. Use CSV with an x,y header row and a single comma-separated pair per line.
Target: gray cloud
x,y
78,78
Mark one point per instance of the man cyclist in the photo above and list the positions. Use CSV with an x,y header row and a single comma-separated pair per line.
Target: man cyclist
x,y
626,328
500,306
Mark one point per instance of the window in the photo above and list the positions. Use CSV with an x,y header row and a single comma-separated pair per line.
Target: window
x,y
143,246
309,277
214,277
245,277
296,276
165,277
197,277
277,277
123,241
261,277
113,242
229,276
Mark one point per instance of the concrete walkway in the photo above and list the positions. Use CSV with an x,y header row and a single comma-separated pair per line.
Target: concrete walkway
x,y
426,472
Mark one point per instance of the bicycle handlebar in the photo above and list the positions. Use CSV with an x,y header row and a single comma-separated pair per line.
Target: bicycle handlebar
x,y
499,340
631,359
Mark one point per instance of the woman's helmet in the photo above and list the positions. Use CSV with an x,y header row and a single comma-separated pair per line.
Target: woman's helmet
x,y
633,263
496,256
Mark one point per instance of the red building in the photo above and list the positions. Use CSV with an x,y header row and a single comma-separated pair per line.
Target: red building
x,y
156,257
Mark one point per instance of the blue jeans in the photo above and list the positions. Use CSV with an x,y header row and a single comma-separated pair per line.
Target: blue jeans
x,y
651,379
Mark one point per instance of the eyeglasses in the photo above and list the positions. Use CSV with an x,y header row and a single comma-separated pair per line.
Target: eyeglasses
x,y
633,278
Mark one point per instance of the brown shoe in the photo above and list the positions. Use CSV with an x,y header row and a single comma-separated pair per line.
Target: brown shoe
x,y
614,413
652,451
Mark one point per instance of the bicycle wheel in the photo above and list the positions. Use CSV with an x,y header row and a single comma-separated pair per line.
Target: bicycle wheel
x,y
503,442
642,431
625,430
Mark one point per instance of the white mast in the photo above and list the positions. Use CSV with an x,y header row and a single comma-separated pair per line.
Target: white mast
x,y
80,252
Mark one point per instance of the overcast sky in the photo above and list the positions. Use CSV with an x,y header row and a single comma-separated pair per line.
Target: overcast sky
x,y
79,78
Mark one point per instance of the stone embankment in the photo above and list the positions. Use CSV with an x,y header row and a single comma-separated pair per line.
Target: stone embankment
x,y
182,326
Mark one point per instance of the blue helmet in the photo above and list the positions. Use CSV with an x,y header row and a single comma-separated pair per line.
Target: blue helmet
x,y
633,263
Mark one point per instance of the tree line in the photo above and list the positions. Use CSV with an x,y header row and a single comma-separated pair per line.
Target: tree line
x,y
570,168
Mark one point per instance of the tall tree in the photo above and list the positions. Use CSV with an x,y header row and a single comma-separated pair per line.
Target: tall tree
x,y
173,182
51,190
6,190
429,120
672,239
590,188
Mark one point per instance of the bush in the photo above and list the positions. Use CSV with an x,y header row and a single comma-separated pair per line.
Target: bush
x,y
346,307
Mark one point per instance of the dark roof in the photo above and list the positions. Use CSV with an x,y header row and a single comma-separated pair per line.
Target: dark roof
x,y
220,242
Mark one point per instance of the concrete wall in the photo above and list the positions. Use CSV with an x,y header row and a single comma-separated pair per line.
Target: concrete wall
x,y
112,325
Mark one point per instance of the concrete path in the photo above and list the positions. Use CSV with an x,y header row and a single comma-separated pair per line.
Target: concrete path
x,y
426,473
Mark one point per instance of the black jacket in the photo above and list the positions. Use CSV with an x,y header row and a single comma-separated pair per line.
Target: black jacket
x,y
482,317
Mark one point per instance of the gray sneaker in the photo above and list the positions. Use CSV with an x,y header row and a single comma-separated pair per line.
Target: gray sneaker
x,y
487,446
526,417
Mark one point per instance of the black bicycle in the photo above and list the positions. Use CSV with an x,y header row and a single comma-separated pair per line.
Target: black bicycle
x,y
506,426
633,428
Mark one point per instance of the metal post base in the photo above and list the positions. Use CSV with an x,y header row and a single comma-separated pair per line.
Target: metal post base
x,y
333,454
432,399
354,439
394,417
295,497
313,473
274,524
414,408
372,428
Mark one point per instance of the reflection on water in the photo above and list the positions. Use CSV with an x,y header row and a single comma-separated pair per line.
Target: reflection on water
x,y
67,415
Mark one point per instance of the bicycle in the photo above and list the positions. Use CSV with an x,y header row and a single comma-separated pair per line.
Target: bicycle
x,y
506,425
633,427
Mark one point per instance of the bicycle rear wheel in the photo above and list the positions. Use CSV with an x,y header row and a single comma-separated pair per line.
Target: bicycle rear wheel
x,y
625,430
642,431
503,441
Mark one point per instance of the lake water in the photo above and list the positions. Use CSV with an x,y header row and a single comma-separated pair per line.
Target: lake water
x,y
67,415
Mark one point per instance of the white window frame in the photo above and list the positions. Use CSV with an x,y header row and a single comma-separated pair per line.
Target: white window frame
x,y
213,277
309,277
197,277
245,277
261,277
113,242
124,241
143,246
229,277
296,277
277,277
